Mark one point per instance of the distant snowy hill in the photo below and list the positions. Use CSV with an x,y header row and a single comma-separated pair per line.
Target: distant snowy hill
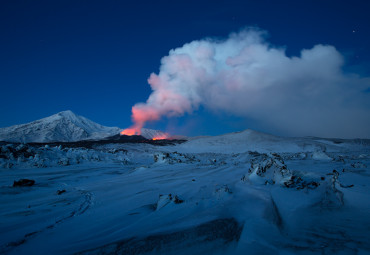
x,y
250,140
62,127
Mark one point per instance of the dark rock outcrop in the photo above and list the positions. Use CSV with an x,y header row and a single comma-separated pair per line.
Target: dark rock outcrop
x,y
24,183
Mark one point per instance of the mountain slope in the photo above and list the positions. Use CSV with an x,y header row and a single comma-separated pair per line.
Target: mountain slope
x,y
151,133
63,127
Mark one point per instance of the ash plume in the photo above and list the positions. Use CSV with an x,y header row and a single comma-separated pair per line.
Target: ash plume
x,y
243,75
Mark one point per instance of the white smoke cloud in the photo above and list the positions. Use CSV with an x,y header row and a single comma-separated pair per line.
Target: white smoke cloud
x,y
245,76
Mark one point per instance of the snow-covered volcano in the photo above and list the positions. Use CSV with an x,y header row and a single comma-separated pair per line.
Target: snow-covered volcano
x,y
65,127
62,127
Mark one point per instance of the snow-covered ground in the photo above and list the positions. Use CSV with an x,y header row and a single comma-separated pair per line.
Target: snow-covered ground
x,y
241,193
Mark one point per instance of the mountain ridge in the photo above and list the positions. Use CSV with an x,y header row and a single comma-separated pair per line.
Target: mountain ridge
x,y
64,126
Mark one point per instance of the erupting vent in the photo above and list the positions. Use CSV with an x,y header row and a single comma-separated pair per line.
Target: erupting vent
x,y
150,136
130,132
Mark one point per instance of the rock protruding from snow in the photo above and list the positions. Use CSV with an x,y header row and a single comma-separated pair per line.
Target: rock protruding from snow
x,y
271,169
61,127
166,199
24,183
268,169
27,156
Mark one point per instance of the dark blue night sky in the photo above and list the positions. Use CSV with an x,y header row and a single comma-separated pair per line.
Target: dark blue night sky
x,y
94,57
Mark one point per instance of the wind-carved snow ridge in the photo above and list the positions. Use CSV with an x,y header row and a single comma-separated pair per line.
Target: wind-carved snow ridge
x,y
213,234
62,127
85,198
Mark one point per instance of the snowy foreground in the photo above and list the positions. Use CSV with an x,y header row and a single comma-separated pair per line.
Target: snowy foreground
x,y
242,193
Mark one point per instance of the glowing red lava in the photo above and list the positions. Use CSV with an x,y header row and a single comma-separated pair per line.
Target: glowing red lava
x,y
135,131
130,131
160,137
